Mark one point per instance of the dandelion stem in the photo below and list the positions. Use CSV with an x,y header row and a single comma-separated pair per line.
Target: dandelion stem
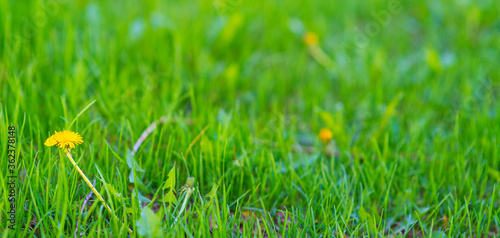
x,y
189,191
68,154
322,58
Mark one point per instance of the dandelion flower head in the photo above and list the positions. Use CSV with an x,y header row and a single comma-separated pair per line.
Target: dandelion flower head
x,y
64,139
310,38
325,135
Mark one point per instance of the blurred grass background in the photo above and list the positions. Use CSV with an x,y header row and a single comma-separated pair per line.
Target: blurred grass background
x,y
413,107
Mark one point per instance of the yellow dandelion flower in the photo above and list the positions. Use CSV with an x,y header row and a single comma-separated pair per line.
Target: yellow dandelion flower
x,y
64,139
325,135
67,140
310,38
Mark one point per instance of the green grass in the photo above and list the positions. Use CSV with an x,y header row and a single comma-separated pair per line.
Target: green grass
x,y
412,103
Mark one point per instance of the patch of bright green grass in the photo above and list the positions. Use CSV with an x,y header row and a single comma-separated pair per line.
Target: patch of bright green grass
x,y
409,90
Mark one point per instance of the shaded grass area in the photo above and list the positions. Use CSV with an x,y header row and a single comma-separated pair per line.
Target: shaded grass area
x,y
413,108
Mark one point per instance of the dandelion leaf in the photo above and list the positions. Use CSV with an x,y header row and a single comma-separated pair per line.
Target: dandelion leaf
x,y
149,224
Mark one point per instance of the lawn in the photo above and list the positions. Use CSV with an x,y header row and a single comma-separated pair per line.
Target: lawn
x,y
233,118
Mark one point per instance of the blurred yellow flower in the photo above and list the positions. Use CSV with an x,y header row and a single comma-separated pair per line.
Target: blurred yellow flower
x,y
433,59
325,135
310,38
64,139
